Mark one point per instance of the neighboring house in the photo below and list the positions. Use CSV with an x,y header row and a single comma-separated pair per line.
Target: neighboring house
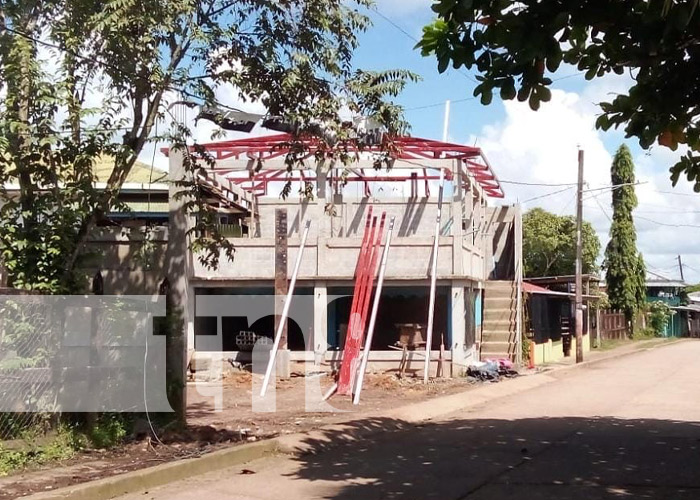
x,y
477,244
669,291
144,193
549,308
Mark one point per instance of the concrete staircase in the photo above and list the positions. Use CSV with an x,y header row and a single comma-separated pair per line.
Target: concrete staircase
x,y
498,337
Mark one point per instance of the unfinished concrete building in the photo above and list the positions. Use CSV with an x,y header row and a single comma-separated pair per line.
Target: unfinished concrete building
x,y
478,263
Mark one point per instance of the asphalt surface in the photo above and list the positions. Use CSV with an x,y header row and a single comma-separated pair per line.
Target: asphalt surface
x,y
626,428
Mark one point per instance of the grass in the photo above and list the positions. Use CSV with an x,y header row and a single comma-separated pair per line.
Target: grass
x,y
37,448
608,344
61,445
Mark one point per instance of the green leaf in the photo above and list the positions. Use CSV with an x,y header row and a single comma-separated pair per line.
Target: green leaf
x,y
443,63
508,89
486,96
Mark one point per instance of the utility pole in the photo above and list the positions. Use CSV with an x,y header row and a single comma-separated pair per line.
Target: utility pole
x,y
446,122
579,251
680,266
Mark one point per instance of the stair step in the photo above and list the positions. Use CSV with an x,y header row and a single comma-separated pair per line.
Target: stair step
x,y
497,336
507,321
498,303
499,284
499,315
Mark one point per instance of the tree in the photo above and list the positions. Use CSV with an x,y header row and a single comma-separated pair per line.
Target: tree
x,y
659,315
516,46
549,244
136,58
624,265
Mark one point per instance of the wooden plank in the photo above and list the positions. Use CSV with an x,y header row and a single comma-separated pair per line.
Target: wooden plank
x,y
281,284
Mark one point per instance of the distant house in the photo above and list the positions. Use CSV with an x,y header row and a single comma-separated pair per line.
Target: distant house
x,y
669,291
143,197
550,312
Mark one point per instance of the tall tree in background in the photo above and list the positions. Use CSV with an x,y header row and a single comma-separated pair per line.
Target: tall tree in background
x,y
549,244
624,265
516,46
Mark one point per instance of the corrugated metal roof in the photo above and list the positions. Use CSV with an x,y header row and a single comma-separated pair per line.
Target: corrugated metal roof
x,y
539,290
140,173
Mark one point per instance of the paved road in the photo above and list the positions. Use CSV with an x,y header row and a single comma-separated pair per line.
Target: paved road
x,y
626,428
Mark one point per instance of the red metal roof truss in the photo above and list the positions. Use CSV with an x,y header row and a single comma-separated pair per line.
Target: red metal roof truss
x,y
404,148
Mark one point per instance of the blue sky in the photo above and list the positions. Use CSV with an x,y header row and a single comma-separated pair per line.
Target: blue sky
x,y
539,147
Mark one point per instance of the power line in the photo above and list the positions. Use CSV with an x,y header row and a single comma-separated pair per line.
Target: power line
x,y
667,225
613,187
441,103
568,76
546,195
407,34
695,195
667,211
690,267
543,184
610,188
568,203
602,209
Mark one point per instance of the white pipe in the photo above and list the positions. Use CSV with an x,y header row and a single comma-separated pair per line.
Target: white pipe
x,y
285,311
330,392
373,316
446,124
433,282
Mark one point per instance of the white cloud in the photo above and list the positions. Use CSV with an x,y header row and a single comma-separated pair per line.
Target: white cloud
x,y
541,147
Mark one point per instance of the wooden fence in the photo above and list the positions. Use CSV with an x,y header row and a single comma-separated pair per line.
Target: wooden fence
x,y
612,325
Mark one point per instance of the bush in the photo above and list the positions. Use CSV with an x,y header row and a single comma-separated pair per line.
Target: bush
x,y
109,430
659,314
63,445
644,333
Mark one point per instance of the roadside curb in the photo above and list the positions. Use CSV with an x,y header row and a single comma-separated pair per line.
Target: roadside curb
x,y
151,477
315,441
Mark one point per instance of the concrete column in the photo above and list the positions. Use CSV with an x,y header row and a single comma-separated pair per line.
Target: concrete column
x,y
457,214
320,331
189,322
323,219
178,343
459,325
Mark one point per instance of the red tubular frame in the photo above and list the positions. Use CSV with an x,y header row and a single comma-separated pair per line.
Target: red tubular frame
x,y
415,149
367,264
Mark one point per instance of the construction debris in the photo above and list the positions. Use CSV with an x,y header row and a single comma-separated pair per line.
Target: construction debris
x,y
491,370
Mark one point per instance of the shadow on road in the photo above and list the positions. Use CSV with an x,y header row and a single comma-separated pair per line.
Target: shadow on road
x,y
548,458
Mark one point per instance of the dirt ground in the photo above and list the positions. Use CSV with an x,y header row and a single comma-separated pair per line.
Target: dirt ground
x,y
209,430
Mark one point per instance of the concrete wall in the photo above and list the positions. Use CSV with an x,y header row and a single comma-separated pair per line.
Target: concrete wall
x,y
552,352
334,242
414,217
125,268
500,242
336,258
